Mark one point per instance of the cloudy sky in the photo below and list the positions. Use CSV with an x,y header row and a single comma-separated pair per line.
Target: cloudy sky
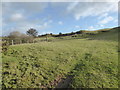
x,y
55,17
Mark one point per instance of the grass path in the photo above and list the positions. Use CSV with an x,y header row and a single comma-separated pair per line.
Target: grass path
x,y
64,83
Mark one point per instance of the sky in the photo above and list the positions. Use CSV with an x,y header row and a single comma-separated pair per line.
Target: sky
x,y
55,17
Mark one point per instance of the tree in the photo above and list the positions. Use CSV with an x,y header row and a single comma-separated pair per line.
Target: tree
x,y
32,32
51,34
18,37
14,34
60,33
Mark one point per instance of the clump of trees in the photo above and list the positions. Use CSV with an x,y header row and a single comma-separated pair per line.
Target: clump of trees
x,y
18,38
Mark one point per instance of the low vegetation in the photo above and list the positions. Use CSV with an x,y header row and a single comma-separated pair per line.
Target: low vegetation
x,y
90,60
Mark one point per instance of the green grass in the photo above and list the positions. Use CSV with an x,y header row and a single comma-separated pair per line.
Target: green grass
x,y
93,63
111,35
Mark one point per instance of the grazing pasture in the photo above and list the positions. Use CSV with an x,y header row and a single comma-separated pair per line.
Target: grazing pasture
x,y
87,62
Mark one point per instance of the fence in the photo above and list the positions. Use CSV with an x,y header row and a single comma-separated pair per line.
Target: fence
x,y
17,41
37,40
24,41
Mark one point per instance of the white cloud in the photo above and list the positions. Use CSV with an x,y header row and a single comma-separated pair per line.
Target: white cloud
x,y
50,21
20,14
102,26
77,16
91,28
14,11
106,20
72,6
77,26
47,23
25,25
103,15
60,22
27,8
60,1
116,20
86,9
17,17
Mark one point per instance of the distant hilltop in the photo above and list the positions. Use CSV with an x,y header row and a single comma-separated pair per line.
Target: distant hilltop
x,y
80,32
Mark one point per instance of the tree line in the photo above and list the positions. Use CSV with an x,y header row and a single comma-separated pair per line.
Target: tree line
x,y
16,37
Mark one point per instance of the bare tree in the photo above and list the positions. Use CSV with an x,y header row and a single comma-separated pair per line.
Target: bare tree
x,y
19,38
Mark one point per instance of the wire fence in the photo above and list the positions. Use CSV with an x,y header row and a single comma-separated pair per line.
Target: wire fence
x,y
16,41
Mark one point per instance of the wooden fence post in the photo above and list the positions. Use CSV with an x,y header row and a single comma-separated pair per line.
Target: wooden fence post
x,y
20,41
28,41
46,37
12,42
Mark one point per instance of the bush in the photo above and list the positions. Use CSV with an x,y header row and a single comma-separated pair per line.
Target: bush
x,y
5,45
18,38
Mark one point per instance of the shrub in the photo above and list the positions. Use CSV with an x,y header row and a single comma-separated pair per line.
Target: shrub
x,y
5,45
18,38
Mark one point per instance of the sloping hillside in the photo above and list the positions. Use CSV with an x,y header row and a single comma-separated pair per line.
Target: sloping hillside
x,y
111,34
90,62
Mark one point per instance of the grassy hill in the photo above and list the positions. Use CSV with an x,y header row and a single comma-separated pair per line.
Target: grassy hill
x,y
89,61
109,34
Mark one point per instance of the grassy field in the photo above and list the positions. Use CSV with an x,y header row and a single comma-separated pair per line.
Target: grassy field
x,y
92,62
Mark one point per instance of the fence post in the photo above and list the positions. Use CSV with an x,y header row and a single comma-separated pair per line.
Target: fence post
x,y
20,42
12,42
28,41
46,37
